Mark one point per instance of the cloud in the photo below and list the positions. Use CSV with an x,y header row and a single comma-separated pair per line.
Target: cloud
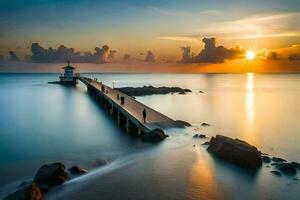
x,y
150,57
13,56
211,53
272,55
294,57
126,57
62,54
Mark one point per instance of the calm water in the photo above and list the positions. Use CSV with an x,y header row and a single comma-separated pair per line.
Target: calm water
x,y
43,123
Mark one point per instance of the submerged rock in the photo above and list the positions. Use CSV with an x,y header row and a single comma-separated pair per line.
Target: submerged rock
x,y
75,170
50,175
31,192
155,135
184,123
150,90
235,151
277,173
199,136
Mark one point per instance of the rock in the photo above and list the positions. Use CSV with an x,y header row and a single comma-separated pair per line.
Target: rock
x,y
276,159
235,151
150,90
205,124
286,168
184,123
75,170
51,175
194,145
266,159
206,143
296,165
99,162
277,173
31,192
182,93
201,91
199,136
155,135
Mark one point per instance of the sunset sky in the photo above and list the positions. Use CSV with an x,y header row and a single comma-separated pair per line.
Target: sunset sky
x,y
135,27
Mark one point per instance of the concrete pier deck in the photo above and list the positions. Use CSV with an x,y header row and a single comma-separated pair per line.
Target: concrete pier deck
x,y
130,112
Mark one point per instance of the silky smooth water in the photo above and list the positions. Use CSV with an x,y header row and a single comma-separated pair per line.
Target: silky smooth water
x,y
42,123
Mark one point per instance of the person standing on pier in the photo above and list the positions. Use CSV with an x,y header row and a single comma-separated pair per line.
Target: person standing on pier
x,y
144,115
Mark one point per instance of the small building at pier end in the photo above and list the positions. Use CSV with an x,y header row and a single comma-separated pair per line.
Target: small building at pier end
x,y
69,77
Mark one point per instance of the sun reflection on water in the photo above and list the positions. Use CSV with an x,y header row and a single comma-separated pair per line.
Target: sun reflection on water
x,y
250,109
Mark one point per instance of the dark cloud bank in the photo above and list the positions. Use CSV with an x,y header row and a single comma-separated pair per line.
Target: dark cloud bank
x,y
211,53
62,54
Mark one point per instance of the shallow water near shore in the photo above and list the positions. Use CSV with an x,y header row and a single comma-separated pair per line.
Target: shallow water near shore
x,y
42,123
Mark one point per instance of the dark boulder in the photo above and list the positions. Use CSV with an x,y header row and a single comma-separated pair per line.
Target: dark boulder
x,y
205,124
276,159
277,173
286,168
75,170
266,159
31,192
184,123
155,135
235,151
51,174
296,165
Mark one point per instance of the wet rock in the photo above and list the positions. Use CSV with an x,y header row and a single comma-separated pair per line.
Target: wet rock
x,y
184,123
199,136
286,168
155,135
206,143
266,159
50,175
296,165
235,151
31,192
182,93
150,90
205,124
75,170
277,173
276,159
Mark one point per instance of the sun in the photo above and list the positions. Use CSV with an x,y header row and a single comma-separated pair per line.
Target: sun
x,y
250,55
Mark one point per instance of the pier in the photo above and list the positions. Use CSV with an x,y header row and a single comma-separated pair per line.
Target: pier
x,y
129,115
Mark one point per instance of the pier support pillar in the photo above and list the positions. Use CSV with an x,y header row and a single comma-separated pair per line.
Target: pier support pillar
x,y
127,124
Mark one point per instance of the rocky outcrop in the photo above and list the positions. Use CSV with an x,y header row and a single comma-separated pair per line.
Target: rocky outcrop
x,y
75,170
235,151
184,123
266,159
31,192
155,135
51,175
150,90
276,159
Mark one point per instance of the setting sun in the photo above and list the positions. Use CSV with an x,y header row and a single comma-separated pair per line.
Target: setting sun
x,y
250,55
